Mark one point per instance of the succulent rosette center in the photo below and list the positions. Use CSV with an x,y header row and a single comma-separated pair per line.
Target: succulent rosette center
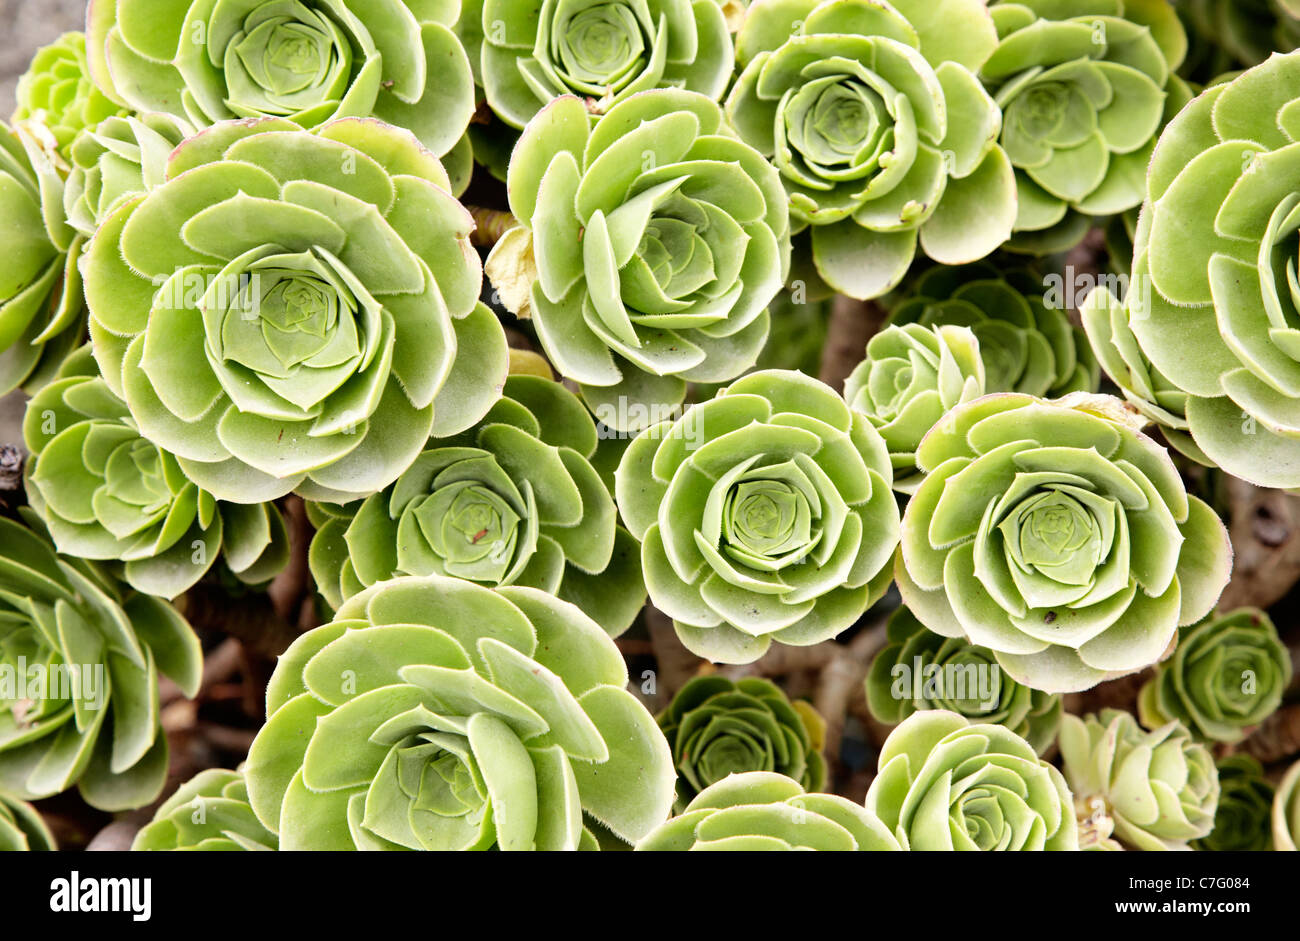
x,y
284,59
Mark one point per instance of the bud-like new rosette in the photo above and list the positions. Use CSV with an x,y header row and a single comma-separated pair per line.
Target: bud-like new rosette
x,y
1242,822
1286,811
437,714
911,378
883,135
1083,87
1059,537
761,810
1152,790
57,93
21,827
513,501
1027,342
919,670
764,514
79,668
1227,675
106,493
526,56
649,247
295,310
309,61
948,784
717,727
210,812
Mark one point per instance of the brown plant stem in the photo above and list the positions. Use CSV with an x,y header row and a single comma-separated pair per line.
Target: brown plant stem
x,y
1265,531
852,324
490,225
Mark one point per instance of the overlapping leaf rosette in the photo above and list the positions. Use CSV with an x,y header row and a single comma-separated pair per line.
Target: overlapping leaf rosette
x,y
1059,537
718,727
1136,789
603,53
437,714
764,515
882,133
82,660
308,61
920,670
57,93
1286,811
208,813
294,310
513,501
765,811
912,376
106,493
1083,86
1227,675
949,784
649,247
1242,822
1019,316
21,827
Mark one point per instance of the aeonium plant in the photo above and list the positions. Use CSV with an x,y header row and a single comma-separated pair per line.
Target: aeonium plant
x,y
208,813
22,828
1242,822
56,92
1286,811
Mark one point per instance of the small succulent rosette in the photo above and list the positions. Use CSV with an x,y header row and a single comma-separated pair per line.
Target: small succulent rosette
x,y
764,515
765,811
208,813
21,827
308,61
919,670
1286,811
295,310
1242,823
80,660
1227,675
717,727
1135,789
513,501
882,133
911,378
436,714
949,784
1059,537
57,94
649,247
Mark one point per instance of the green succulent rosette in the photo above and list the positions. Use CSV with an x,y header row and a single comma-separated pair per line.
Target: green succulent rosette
x,y
437,714
911,378
764,515
919,670
513,501
1227,674
1026,340
949,784
883,136
57,93
718,727
649,247
293,310
765,811
21,827
307,61
80,661
208,813
1241,823
1083,86
602,52
1136,789
1286,811
106,493
1059,537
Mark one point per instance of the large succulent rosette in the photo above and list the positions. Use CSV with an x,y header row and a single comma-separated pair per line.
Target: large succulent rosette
x,y
764,515
208,813
513,501
602,51
1136,789
1227,675
1059,537
294,310
56,91
882,133
649,247
80,661
919,670
22,828
309,61
948,784
1286,811
1242,822
437,714
1083,87
106,493
765,811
